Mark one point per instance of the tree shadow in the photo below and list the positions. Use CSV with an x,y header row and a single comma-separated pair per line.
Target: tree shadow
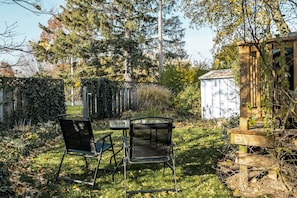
x,y
198,158
198,161
5,185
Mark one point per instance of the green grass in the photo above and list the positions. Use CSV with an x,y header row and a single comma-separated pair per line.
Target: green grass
x,y
78,109
197,151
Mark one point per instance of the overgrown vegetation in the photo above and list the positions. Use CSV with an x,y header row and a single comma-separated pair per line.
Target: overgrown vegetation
x,y
188,101
28,100
176,76
183,81
153,97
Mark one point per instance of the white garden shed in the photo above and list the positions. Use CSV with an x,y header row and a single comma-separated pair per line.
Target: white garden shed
x,y
219,94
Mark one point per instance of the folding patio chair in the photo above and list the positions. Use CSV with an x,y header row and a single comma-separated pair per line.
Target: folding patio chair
x,y
79,140
149,142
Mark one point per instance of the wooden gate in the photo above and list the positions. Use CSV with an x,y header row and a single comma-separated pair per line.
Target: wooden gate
x,y
112,103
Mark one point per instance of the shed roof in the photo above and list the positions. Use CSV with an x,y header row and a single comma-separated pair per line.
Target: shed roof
x,y
215,74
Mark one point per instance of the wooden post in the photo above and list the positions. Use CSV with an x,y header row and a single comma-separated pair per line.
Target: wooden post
x,y
243,171
244,86
295,64
258,86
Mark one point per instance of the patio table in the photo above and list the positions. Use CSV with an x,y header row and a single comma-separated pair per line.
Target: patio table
x,y
119,125
122,125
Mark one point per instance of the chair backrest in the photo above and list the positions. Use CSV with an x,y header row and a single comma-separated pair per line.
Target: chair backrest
x,y
77,133
150,137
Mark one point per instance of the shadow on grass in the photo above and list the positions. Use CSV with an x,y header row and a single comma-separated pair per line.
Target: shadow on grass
x,y
198,151
5,186
197,161
73,167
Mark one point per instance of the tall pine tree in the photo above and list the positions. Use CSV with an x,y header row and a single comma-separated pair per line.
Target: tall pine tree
x,y
118,37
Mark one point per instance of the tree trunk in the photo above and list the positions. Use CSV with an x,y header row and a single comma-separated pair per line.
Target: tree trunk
x,y
277,17
160,39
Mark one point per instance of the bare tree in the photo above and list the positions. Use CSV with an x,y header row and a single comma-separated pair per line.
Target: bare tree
x,y
7,43
31,5
8,35
10,42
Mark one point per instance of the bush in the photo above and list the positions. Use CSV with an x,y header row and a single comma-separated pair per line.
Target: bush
x,y
150,97
188,101
178,75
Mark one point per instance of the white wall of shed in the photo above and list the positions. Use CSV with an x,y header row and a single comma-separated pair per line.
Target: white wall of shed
x,y
219,98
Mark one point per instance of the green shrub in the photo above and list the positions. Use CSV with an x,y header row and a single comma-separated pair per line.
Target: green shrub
x,y
188,101
152,97
177,76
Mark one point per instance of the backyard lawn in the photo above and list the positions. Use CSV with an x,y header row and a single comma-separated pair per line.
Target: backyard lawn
x,y
198,147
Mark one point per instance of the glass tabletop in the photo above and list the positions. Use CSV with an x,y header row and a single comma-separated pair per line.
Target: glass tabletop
x,y
119,124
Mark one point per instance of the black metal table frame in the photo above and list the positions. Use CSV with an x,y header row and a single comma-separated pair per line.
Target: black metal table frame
x,y
124,129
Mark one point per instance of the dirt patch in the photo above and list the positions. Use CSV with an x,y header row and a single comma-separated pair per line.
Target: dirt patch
x,y
260,183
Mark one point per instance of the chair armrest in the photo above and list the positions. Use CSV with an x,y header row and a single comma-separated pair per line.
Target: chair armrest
x,y
105,136
102,144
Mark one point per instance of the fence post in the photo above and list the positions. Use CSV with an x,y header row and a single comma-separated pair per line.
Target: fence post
x,y
86,108
129,86
1,105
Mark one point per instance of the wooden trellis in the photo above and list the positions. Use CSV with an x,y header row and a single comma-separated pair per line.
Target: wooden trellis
x,y
252,89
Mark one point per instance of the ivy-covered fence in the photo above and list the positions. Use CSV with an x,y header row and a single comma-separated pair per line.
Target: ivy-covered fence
x,y
103,98
30,100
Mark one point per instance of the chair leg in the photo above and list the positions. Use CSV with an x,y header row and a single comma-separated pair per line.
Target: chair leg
x,y
174,173
96,171
172,167
125,175
59,169
113,155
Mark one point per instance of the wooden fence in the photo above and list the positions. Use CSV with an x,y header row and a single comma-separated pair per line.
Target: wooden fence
x,y
118,100
98,104
30,100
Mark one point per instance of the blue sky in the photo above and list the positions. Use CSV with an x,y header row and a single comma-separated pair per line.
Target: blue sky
x,y
198,42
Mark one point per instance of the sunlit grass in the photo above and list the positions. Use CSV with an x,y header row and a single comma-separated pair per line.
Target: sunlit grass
x,y
74,110
196,152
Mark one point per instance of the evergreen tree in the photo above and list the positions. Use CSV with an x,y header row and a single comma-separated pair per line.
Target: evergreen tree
x,y
118,37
